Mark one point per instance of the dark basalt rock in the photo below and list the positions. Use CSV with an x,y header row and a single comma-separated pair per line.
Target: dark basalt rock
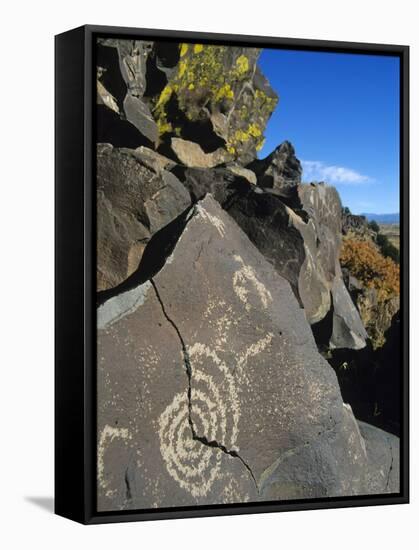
x,y
221,182
304,247
281,170
370,379
218,98
266,220
123,70
139,115
351,223
135,199
206,406
383,470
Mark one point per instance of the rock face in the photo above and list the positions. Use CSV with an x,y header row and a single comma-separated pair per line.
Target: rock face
x,y
205,108
213,96
219,278
136,197
217,97
383,450
121,84
202,387
190,154
304,246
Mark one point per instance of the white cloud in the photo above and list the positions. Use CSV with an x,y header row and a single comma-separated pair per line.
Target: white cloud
x,y
315,170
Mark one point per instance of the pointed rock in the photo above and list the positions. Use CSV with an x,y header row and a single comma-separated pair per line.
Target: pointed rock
x,y
281,170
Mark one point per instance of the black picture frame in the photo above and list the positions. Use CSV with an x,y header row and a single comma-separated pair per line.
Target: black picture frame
x,y
75,332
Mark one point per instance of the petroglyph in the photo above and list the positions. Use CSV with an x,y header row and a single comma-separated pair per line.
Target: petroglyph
x,y
241,279
214,412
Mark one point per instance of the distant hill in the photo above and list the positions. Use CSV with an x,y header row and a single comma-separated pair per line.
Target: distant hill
x,y
383,218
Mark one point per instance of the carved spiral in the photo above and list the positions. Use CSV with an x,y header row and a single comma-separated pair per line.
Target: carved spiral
x,y
214,413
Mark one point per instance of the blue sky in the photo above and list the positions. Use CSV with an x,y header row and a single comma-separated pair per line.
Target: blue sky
x,y
341,113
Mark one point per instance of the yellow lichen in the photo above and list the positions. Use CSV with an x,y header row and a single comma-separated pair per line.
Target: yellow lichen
x,y
183,49
164,127
260,144
164,96
224,92
242,64
254,130
198,48
191,86
241,135
182,68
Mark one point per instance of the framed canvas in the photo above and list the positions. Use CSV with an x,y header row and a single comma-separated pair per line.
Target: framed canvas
x,y
231,274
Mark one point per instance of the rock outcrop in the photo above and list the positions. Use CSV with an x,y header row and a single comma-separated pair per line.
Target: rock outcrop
x,y
219,280
206,406
154,93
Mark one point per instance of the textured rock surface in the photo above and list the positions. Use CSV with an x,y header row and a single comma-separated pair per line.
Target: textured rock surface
x,y
217,97
348,330
136,197
202,388
211,388
383,449
304,246
351,223
121,84
190,154
281,170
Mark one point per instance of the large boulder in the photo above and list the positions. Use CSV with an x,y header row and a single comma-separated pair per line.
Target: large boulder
x,y
218,98
191,154
202,386
212,96
136,197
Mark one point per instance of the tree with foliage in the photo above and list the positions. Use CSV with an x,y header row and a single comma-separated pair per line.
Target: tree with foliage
x,y
367,264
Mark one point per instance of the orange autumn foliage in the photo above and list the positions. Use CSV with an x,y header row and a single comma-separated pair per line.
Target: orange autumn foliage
x,y
364,261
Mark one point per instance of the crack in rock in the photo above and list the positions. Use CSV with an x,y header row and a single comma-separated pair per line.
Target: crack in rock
x,y
391,464
128,492
188,367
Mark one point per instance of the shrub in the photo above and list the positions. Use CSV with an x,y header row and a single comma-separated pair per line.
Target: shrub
x,y
367,264
374,226
387,249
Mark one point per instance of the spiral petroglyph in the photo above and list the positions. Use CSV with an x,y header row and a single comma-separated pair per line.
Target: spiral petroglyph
x,y
212,414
